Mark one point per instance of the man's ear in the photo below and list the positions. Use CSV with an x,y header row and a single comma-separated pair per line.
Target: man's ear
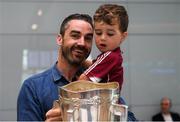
x,y
59,40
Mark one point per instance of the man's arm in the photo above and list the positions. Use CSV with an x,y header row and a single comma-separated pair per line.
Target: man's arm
x,y
28,107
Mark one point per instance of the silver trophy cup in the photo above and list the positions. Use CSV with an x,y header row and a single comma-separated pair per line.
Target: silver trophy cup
x,y
88,101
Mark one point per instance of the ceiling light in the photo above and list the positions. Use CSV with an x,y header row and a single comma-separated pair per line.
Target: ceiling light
x,y
40,12
34,26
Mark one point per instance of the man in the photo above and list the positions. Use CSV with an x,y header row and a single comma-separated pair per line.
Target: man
x,y
166,114
38,92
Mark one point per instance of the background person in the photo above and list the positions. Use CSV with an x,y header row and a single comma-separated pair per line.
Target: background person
x,y
166,114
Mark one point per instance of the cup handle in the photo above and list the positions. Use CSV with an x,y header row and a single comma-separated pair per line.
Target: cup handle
x,y
118,112
71,113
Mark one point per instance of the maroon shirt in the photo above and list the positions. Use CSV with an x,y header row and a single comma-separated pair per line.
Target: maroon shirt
x,y
107,68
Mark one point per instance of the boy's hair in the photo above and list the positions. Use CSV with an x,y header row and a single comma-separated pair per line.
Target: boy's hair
x,y
76,16
112,13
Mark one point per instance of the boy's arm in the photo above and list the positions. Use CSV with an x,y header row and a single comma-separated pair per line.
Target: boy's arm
x,y
86,64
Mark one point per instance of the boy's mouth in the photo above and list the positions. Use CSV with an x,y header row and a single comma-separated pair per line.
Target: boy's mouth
x,y
102,45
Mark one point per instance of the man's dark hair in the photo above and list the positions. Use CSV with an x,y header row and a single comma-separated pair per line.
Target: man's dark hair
x,y
76,16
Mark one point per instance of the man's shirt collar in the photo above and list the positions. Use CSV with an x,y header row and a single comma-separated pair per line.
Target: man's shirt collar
x,y
57,75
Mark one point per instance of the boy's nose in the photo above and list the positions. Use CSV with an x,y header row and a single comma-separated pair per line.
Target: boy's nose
x,y
103,37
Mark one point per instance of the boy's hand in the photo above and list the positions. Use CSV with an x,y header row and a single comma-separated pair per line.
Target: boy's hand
x,y
86,64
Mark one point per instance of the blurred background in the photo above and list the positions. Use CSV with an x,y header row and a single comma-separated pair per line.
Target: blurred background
x,y
28,30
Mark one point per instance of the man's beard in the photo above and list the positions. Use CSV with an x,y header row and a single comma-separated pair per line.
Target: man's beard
x,y
74,60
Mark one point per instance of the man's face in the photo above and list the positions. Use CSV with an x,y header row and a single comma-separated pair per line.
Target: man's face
x,y
165,106
77,41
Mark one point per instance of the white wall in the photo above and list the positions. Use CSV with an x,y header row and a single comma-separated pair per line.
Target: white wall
x,y
151,52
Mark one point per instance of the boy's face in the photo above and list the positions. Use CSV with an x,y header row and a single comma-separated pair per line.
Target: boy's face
x,y
108,37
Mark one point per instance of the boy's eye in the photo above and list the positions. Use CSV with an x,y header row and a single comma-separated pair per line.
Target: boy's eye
x,y
110,34
98,32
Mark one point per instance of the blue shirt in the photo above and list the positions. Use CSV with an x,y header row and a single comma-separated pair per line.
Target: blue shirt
x,y
38,93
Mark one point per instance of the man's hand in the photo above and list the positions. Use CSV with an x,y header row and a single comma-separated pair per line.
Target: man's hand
x,y
54,114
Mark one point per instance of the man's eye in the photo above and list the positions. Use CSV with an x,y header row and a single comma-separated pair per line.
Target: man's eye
x,y
89,38
75,36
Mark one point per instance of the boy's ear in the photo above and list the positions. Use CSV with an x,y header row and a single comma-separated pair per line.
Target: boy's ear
x,y
125,34
59,40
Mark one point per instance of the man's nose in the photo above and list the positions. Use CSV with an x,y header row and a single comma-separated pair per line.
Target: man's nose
x,y
81,41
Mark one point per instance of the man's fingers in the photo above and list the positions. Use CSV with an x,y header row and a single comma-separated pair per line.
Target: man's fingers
x,y
53,113
54,119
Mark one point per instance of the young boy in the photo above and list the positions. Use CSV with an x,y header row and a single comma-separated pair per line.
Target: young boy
x,y
111,23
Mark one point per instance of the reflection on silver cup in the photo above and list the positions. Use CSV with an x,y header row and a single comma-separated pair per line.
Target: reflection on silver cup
x,y
118,112
88,101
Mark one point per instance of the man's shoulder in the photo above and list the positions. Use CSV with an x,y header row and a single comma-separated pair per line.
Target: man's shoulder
x,y
156,115
39,76
44,73
175,114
